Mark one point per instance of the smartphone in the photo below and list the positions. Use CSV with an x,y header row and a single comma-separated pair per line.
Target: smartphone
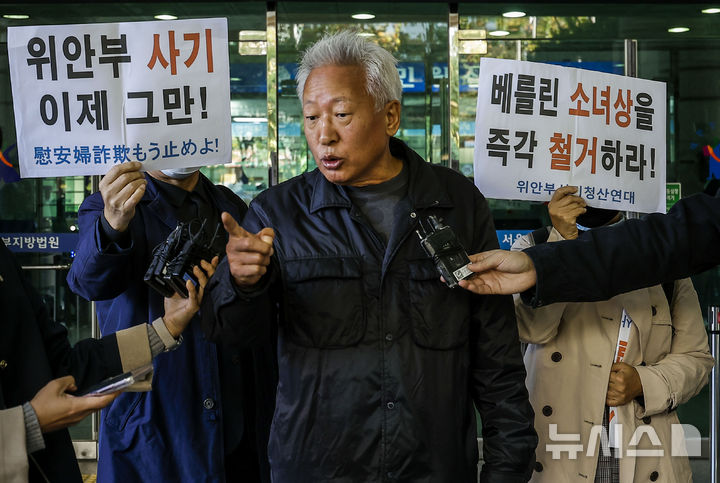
x,y
117,383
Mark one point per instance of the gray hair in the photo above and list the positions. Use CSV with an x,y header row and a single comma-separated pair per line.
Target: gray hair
x,y
382,80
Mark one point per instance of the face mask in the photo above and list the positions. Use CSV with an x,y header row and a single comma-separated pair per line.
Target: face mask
x,y
595,217
179,173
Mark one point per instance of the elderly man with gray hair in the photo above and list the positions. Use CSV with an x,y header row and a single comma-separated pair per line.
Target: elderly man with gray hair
x,y
381,365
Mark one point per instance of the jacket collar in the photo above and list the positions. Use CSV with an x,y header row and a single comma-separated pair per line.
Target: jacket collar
x,y
163,208
423,188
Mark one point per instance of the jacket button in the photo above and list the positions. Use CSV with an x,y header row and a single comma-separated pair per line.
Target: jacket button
x,y
235,359
208,403
538,466
413,215
646,420
556,356
654,312
547,411
391,405
654,476
3,364
388,337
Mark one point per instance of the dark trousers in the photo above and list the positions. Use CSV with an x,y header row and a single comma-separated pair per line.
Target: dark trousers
x,y
241,465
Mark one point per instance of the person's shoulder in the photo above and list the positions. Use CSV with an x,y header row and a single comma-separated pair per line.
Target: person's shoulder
x,y
298,187
228,194
450,174
458,185
225,191
453,177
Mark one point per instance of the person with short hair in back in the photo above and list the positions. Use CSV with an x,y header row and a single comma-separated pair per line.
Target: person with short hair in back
x,y
631,359
381,365
208,415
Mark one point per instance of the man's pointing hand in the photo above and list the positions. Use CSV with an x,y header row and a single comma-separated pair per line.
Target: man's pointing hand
x,y
248,254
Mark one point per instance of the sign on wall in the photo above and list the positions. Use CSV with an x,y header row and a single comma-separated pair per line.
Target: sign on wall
x,y
540,127
40,242
673,193
89,96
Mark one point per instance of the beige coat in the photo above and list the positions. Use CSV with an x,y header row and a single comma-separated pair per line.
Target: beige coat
x,y
571,349
13,454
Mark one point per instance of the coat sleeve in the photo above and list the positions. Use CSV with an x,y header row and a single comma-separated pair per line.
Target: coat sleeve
x,y
101,271
240,316
498,377
537,325
13,452
684,370
666,247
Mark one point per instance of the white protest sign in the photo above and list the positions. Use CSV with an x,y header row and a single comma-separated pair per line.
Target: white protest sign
x,y
90,96
541,126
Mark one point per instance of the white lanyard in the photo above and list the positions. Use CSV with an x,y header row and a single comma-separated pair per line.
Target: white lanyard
x,y
622,343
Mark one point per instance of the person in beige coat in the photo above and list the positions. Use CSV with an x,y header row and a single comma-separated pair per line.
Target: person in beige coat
x,y
572,375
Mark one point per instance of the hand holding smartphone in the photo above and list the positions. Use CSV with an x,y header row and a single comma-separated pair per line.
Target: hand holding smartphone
x,y
117,383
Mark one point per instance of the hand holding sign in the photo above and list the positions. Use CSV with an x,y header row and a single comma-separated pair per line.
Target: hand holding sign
x,y
121,189
248,254
564,208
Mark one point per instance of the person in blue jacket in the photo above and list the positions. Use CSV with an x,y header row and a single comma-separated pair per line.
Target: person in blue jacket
x,y
207,416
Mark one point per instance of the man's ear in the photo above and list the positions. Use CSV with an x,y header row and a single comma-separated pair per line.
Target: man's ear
x,y
392,117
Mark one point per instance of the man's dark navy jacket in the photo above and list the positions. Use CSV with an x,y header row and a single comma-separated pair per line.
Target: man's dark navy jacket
x,y
380,362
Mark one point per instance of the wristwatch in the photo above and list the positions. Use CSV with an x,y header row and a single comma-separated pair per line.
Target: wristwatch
x,y
171,343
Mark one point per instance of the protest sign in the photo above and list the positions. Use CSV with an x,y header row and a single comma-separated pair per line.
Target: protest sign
x,y
540,127
89,96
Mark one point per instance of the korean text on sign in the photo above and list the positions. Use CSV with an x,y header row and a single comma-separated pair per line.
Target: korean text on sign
x,y
89,96
540,125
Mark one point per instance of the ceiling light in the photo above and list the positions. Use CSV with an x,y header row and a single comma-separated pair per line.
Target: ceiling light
x,y
678,30
18,16
514,14
711,10
252,35
253,120
499,33
363,16
165,16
